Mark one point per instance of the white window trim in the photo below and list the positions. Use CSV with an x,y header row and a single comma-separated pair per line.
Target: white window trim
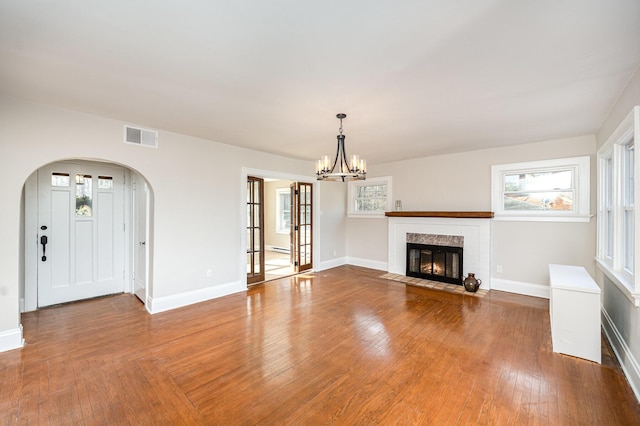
x,y
582,190
279,229
604,192
624,208
612,268
352,194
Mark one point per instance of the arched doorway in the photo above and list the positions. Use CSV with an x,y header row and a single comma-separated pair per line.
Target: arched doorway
x,y
86,233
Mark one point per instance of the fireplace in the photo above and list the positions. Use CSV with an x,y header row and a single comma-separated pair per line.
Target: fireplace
x,y
474,235
435,262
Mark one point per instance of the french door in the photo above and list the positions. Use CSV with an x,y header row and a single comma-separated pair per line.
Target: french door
x,y
301,226
81,232
255,230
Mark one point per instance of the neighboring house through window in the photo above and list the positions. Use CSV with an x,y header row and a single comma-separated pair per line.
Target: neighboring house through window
x,y
283,210
548,190
370,197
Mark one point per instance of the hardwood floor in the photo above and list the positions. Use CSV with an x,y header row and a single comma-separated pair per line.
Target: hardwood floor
x,y
276,265
341,346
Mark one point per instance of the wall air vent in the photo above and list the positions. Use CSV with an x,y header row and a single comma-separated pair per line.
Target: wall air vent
x,y
139,136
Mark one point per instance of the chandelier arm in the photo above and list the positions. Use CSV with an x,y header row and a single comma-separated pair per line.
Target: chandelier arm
x,y
335,160
344,158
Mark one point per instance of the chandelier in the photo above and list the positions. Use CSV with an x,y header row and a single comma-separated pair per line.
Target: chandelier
x,y
343,168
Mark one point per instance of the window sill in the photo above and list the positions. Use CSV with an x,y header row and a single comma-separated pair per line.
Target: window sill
x,y
621,282
523,218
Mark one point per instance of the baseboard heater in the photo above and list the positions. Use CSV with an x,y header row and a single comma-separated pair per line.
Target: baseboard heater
x,y
281,249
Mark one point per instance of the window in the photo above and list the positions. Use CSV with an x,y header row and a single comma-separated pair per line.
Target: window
x,y
551,190
60,179
606,208
370,198
283,210
617,167
84,198
105,182
627,206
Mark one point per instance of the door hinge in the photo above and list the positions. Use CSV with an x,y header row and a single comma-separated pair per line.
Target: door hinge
x,y
124,227
296,192
123,275
295,264
295,228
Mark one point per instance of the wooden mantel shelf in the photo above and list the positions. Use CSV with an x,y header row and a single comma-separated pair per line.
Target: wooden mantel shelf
x,y
461,215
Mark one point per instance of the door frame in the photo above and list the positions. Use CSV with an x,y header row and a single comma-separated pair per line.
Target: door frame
x,y
29,299
135,192
268,174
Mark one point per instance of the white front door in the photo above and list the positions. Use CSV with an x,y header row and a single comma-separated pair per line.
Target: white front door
x,y
81,232
140,196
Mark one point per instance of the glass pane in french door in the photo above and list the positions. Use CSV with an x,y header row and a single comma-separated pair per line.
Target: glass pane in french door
x,y
255,230
305,226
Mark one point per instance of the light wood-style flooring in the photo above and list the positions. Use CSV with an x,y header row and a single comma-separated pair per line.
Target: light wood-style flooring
x,y
276,265
342,346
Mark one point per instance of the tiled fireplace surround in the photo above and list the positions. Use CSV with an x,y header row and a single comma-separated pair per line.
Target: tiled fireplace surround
x,y
475,232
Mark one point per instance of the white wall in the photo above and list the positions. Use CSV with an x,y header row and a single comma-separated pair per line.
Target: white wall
x,y
462,182
333,210
621,318
196,188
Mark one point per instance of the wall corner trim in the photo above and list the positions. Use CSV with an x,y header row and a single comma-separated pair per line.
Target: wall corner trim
x,y
527,289
166,303
366,263
333,263
11,339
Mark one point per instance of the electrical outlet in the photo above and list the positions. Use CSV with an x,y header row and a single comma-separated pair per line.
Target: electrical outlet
x,y
334,252
499,269
209,273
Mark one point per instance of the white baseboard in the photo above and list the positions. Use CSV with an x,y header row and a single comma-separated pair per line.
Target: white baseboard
x,y
518,287
366,263
11,339
333,263
166,303
625,357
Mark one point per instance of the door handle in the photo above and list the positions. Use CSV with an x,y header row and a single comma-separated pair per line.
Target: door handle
x,y
44,240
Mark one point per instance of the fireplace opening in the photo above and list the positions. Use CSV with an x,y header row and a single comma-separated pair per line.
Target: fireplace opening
x,y
433,262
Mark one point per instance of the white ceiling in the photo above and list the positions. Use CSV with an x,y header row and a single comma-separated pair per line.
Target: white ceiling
x,y
415,78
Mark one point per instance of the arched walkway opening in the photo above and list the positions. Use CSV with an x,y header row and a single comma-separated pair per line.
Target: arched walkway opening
x,y
86,231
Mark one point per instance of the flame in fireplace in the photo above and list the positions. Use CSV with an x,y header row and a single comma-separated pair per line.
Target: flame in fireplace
x,y
440,263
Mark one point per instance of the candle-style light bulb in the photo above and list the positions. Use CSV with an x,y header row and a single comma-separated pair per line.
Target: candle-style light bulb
x,y
355,162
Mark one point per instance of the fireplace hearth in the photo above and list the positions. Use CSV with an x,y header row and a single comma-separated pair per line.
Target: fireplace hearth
x,y
435,262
